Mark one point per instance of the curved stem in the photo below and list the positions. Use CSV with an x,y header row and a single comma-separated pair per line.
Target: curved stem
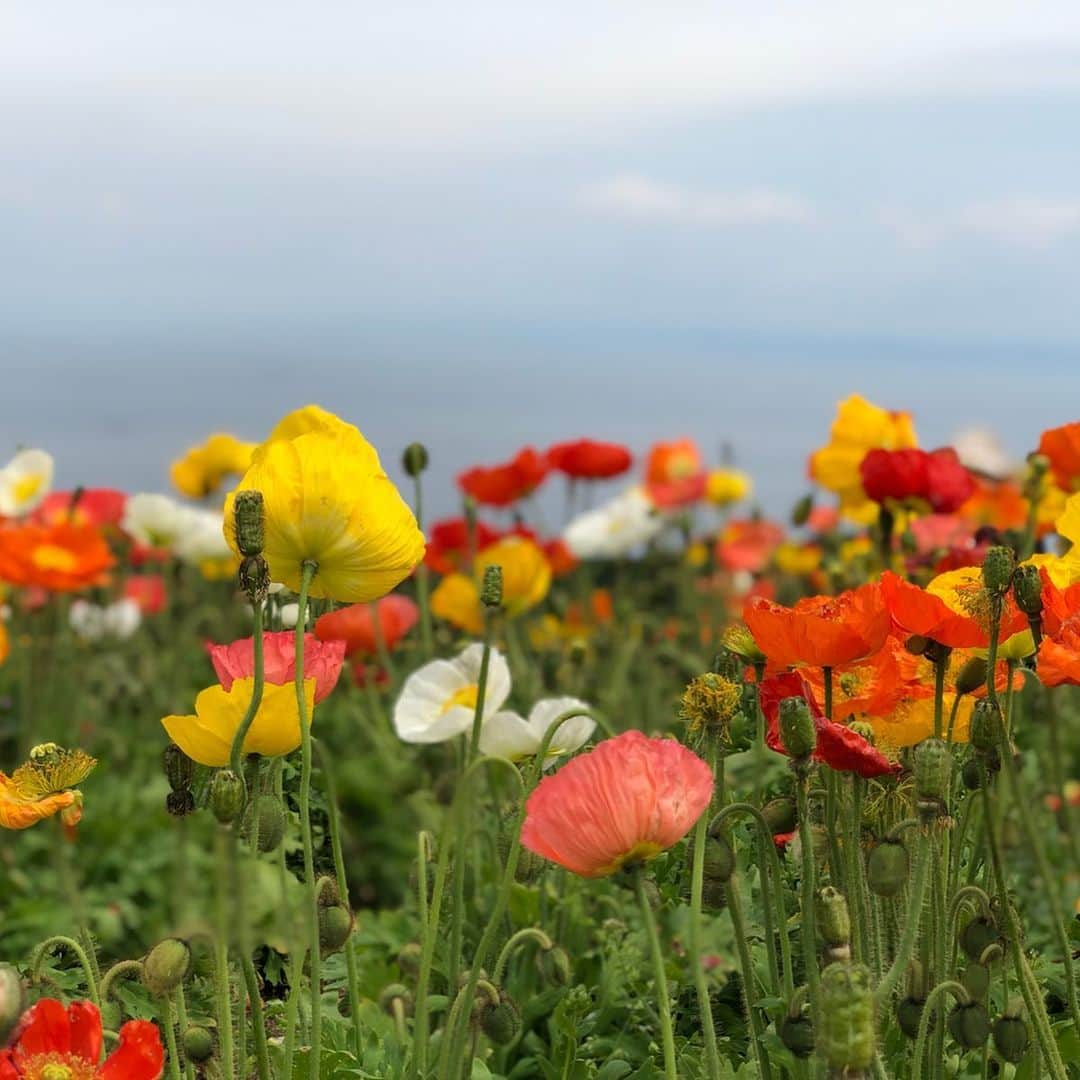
x,y
124,968
222,986
663,999
80,955
529,933
949,986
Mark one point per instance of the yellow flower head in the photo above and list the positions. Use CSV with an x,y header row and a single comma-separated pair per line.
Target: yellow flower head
x,y
207,736
859,426
44,786
963,591
327,500
1064,570
202,470
913,720
799,560
305,420
726,486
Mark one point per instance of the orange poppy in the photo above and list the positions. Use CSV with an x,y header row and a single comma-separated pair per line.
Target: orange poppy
x,y
998,503
505,484
61,558
675,473
870,687
748,545
355,624
1061,445
1059,656
822,631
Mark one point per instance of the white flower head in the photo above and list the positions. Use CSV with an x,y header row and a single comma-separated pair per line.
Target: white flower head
x,y
203,539
87,620
626,522
25,481
92,622
981,450
438,700
511,736
122,618
155,520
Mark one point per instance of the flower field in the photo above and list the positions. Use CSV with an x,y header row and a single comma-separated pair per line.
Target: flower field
x,y
299,782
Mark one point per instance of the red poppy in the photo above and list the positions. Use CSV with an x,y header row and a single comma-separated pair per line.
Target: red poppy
x,y
563,561
448,543
148,591
904,476
838,746
355,625
60,558
93,506
51,1040
322,660
503,485
823,631
748,545
1062,446
675,473
587,459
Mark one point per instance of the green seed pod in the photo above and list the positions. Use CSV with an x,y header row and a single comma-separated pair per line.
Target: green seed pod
x,y
997,571
979,932
248,518
396,992
198,1044
501,1021
719,859
12,1001
887,867
554,965
270,821
933,769
166,966
180,803
976,980
1011,1038
409,957
797,728
985,725
909,1014
780,815
179,768
254,578
969,1025
847,1009
1027,588
226,796
797,1034
971,676
415,459
800,512
335,926
833,919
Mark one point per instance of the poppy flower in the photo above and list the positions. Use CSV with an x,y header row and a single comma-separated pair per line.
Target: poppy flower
x,y
870,687
24,482
675,473
838,746
617,528
86,506
148,591
748,545
823,631
1061,445
354,626
624,802
53,1042
59,558
503,485
203,469
912,478
92,622
322,661
46,784
997,503
448,543
505,734
726,486
587,459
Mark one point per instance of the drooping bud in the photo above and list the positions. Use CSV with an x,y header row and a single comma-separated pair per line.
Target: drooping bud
x,y
1011,1036
166,966
971,774
264,821
847,1018
179,768
980,932
248,518
917,644
797,728
709,702
985,725
887,867
976,980
198,1044
1027,588
396,992
800,512
797,1034
969,1025
335,926
719,859
491,591
971,676
226,796
254,577
780,815
501,1021
554,965
933,770
909,1013
12,1001
997,569
415,459
180,803
834,921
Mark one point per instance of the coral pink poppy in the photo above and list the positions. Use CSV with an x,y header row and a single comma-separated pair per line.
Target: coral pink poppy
x,y
675,473
587,459
90,506
626,801
148,591
505,484
355,624
53,1041
322,660
748,545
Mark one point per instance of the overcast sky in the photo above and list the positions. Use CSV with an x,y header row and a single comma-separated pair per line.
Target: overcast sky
x,y
191,180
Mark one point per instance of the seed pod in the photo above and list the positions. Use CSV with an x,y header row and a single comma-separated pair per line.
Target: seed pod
x,y
780,815
997,571
254,578
198,1044
12,1001
909,1014
396,992
833,919
335,926
719,859
976,980
847,1008
226,796
491,591
971,676
979,932
248,518
166,966
179,768
985,725
554,965
1011,1038
797,728
180,803
415,459
887,867
266,812
797,1034
501,1021
969,1025
1027,588
933,769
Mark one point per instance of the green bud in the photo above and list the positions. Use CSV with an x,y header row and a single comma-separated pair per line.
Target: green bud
x,y
12,1001
226,796
254,578
166,966
971,775
887,867
1027,588
834,922
985,726
969,1025
976,980
554,965
719,859
800,512
198,1044
797,729
491,590
179,768
847,1036
979,932
997,570
933,770
797,1034
335,926
415,459
780,815
971,676
501,1021
248,518
396,992
265,814
1011,1038
909,1014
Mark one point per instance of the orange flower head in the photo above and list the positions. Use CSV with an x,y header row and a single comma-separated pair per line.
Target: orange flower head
x,y
675,473
60,558
45,785
1061,445
869,687
505,484
355,625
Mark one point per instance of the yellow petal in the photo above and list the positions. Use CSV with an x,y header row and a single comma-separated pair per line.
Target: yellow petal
x,y
457,600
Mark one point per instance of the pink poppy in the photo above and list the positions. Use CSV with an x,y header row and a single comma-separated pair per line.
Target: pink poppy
x,y
322,660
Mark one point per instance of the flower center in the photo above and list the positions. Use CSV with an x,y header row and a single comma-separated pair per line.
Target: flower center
x,y
57,1067
53,557
465,696
27,488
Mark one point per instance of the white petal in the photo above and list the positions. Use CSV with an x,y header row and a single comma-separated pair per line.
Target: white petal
x,y
508,735
122,618
571,735
498,680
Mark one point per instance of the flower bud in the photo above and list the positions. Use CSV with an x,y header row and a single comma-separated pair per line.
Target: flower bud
x,y
408,958
1027,588
933,770
180,803
198,1044
335,926
797,1034
976,980
714,895
908,1014
834,922
248,518
887,867
501,1021
847,1036
997,570
491,591
226,796
554,965
166,966
179,768
709,702
12,1001
985,725
971,774
740,641
800,512
917,644
797,728
254,577
415,459
980,932
264,821
396,992
969,1025
780,815
719,859
971,676
1011,1038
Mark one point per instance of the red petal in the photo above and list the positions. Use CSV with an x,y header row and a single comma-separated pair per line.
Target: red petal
x,y
139,1056
44,1029
85,1030
7,1066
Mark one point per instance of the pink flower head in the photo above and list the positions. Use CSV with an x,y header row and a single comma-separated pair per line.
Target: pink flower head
x,y
322,660
627,800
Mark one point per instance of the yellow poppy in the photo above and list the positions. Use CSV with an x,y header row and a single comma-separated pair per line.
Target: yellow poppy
x,y
1064,570
203,469
43,786
962,591
207,736
913,720
726,486
798,560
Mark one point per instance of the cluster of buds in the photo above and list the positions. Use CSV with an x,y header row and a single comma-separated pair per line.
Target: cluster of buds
x,y
335,919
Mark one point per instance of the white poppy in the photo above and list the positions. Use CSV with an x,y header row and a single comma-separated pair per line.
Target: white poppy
x,y
122,618
87,620
202,539
980,449
92,622
438,700
155,520
615,529
24,481
511,736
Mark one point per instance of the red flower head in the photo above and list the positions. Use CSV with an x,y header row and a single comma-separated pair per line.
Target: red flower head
x,y
322,660
589,460
675,473
1062,446
53,1041
905,476
60,558
838,746
148,591
823,631
354,625
627,800
94,506
563,561
503,485
448,543
748,545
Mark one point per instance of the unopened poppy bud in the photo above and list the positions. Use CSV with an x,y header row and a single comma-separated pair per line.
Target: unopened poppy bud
x,y
719,859
969,1025
264,822
254,578
335,926
1038,465
740,641
908,1014
180,803
971,676
1027,588
933,769
976,980
226,796
198,1044
491,592
834,921
396,992
985,725
12,1001
887,867
979,933
971,775
1011,1038
709,702
917,644
797,1034
997,569
847,1018
800,512
166,966
554,965
248,518
409,957
779,815
501,1021
179,768
797,728
415,459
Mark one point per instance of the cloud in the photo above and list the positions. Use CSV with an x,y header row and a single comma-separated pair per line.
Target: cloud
x,y
637,198
1022,222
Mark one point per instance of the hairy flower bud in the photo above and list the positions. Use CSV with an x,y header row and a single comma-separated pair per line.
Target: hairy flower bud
x,y
415,459
908,1014
1027,588
847,1036
179,768
166,966
833,919
554,965
248,518
979,933
797,1034
396,992
409,957
254,578
997,569
779,814
226,796
180,803
264,821
887,867
491,591
12,1000
198,1044
501,1021
971,676
933,770
985,725
969,1025
1011,1038
335,926
719,860
797,728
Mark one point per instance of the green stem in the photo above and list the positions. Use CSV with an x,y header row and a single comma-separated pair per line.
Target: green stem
x,y
746,968
423,578
182,1017
906,947
39,953
529,933
222,987
807,890
256,693
170,1037
929,1007
663,999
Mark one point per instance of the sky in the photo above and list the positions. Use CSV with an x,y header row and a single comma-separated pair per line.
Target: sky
x,y
487,223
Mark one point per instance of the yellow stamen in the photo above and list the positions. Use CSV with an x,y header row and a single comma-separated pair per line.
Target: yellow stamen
x,y
466,696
